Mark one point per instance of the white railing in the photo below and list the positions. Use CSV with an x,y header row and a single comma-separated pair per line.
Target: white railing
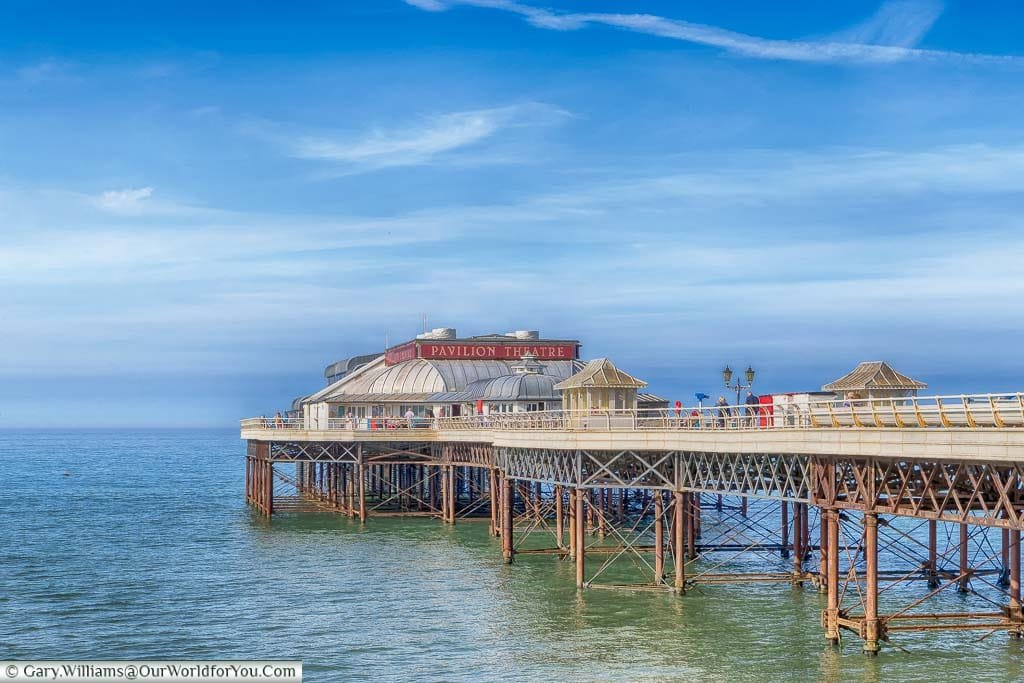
x,y
981,411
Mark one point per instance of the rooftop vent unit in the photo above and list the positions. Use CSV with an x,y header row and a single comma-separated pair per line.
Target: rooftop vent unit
x,y
438,333
526,335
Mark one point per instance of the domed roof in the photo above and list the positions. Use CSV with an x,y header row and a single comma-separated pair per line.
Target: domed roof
x,y
524,387
422,377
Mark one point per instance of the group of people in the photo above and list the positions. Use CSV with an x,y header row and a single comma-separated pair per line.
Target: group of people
x,y
749,412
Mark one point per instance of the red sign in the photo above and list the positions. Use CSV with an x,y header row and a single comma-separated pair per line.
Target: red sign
x,y
463,351
442,350
400,353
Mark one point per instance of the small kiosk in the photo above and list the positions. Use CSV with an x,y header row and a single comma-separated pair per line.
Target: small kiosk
x,y
599,389
874,379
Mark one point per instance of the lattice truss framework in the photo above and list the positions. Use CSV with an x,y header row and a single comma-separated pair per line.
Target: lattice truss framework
x,y
989,494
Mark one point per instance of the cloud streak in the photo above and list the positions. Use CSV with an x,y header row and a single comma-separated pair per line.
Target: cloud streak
x,y
420,142
902,23
119,200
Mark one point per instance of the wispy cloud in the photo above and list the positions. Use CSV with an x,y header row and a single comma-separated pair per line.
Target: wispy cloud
x,y
123,200
899,23
44,71
419,142
902,23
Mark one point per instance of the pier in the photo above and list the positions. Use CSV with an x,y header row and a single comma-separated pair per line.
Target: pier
x,y
854,497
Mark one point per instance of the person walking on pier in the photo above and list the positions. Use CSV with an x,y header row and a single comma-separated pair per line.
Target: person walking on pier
x,y
723,411
752,403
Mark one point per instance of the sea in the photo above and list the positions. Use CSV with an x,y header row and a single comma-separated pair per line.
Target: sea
x,y
137,544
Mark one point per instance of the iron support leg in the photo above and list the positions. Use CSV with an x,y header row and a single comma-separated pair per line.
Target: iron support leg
x,y
963,584
871,624
506,520
830,520
581,540
659,538
1015,614
677,543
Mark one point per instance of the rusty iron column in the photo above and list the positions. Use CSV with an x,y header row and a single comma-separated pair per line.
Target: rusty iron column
x,y
1015,613
679,584
1004,571
784,552
581,540
743,506
659,537
798,550
572,523
453,493
589,511
492,491
507,548
698,530
270,488
805,530
559,518
822,550
963,585
933,554
688,527
361,486
351,483
445,493
871,623
247,478
830,520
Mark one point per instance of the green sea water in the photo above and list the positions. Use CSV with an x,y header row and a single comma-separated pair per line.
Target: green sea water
x,y
137,544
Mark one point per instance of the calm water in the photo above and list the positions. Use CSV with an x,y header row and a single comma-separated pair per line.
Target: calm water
x,y
147,551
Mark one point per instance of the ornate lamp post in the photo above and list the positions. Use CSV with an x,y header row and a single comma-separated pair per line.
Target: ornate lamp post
x,y
738,386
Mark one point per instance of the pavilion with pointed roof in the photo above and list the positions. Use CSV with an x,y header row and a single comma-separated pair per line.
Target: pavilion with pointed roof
x,y
874,379
600,386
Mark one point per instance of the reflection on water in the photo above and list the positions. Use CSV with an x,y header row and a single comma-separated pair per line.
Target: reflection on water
x,y
147,550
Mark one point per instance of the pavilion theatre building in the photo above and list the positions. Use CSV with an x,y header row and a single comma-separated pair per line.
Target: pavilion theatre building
x,y
439,374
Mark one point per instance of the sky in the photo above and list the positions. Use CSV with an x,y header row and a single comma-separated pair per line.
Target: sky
x,y
203,204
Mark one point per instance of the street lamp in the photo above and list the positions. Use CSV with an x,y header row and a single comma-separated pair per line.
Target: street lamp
x,y
738,386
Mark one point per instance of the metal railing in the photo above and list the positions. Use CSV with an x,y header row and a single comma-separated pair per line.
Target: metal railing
x,y
978,411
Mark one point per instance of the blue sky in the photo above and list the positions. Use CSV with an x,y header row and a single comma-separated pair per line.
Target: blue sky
x,y
203,206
